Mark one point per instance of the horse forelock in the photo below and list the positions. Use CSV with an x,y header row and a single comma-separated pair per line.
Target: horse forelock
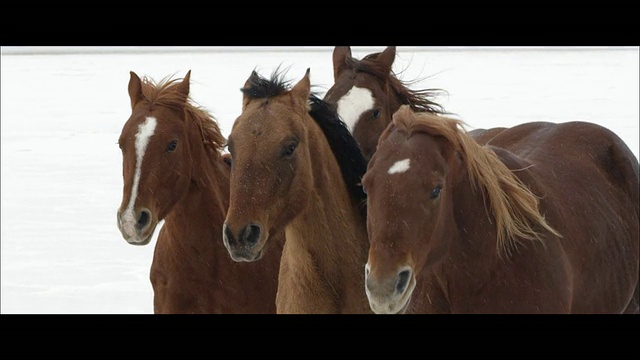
x,y
420,100
165,93
260,87
514,206
369,65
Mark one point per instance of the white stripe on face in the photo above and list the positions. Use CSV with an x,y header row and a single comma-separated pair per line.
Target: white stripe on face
x,y
145,131
399,167
353,104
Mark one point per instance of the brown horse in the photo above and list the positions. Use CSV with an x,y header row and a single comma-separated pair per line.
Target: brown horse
x,y
297,169
367,92
544,220
174,170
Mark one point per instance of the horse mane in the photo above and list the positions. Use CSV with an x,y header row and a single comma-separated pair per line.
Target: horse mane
x,y
420,100
352,163
344,147
164,93
513,205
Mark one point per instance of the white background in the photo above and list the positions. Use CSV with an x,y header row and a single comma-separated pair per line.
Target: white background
x,y
63,110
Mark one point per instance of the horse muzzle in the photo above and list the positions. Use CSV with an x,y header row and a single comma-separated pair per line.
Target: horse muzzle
x,y
389,294
139,229
246,245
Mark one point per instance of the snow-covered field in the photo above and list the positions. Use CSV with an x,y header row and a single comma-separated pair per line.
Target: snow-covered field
x,y
63,110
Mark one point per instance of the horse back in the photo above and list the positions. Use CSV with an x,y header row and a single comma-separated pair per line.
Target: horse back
x,y
588,183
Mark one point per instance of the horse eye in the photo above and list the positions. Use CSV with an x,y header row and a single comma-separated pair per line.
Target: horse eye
x,y
375,114
172,146
289,149
435,192
227,159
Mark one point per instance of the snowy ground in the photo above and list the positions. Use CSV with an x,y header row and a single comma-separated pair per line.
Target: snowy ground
x,y
62,113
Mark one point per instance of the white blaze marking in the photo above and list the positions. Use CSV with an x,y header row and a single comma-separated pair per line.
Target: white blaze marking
x,y
145,131
399,167
353,104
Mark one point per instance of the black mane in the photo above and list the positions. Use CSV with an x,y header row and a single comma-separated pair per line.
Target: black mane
x,y
344,147
258,87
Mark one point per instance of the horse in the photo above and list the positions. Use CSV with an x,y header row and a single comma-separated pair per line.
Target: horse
x,y
542,220
174,170
295,168
367,92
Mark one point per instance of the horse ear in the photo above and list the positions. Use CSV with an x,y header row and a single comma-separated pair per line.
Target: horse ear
x,y
403,111
302,89
183,87
340,56
135,89
387,56
252,79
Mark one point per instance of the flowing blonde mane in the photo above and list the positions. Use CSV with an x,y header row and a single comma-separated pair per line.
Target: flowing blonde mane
x,y
164,93
514,206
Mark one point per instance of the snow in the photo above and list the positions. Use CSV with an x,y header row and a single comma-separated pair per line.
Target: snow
x,y
63,110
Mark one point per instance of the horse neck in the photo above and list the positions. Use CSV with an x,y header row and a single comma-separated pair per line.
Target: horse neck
x,y
472,216
208,189
331,228
207,198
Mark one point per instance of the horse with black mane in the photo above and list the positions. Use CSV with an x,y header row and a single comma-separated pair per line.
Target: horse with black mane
x,y
296,168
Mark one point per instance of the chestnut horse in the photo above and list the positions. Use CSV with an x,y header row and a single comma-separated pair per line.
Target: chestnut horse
x,y
544,220
174,170
296,168
367,92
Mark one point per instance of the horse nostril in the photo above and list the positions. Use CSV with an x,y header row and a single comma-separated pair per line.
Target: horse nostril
x,y
403,281
144,219
251,234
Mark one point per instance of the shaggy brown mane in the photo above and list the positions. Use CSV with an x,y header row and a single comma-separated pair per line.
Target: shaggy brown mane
x,y
164,93
513,205
418,99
